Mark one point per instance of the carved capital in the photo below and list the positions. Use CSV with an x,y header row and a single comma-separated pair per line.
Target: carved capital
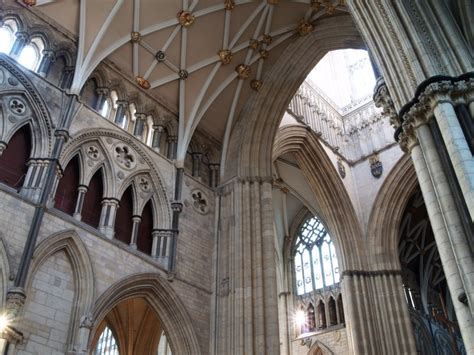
x,y
383,100
142,82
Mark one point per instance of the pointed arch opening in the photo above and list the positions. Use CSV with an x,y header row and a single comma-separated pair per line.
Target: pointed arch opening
x,y
92,207
321,315
13,161
145,230
340,308
66,193
124,218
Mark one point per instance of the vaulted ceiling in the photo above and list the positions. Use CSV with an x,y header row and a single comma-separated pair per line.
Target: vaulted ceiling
x,y
201,58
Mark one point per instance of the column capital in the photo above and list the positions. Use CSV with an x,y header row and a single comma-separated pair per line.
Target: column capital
x,y
158,127
49,53
122,103
102,91
21,35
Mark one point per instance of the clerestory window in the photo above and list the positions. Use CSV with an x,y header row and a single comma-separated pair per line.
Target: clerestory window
x,y
315,260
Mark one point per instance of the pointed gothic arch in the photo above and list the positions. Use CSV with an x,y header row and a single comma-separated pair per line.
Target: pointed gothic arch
x,y
71,244
164,301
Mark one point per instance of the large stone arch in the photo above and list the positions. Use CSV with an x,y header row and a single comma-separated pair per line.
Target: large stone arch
x,y
251,141
162,298
387,212
70,243
337,210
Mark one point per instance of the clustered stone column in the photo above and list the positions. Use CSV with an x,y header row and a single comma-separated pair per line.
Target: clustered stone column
x,y
197,164
172,145
157,135
246,317
136,225
107,218
48,58
122,107
102,95
19,44
433,111
81,193
376,307
138,129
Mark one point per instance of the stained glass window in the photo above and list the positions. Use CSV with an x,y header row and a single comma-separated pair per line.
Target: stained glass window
x,y
315,260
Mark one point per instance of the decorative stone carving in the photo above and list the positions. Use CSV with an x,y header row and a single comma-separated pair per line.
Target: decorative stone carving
x,y
160,56
186,18
142,82
144,184
2,76
264,53
12,81
124,157
17,106
243,71
267,39
200,202
183,74
254,44
87,321
304,28
93,152
341,168
135,37
383,99
229,4
225,56
224,287
256,84
376,166
120,175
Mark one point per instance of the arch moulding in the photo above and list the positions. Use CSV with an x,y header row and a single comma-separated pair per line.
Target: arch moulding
x,y
162,298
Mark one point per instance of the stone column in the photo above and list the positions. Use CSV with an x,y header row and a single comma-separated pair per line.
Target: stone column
x,y
377,319
102,95
48,58
139,125
453,248
197,164
66,77
157,134
81,193
246,312
214,169
107,217
19,44
457,147
415,137
122,106
136,225
172,145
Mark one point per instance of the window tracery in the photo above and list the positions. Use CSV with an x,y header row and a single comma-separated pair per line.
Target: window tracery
x,y
315,260
107,344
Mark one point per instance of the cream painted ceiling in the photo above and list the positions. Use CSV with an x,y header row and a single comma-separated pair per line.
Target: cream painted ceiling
x,y
178,56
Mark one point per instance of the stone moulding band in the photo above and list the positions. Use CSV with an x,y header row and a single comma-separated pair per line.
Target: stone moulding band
x,y
370,273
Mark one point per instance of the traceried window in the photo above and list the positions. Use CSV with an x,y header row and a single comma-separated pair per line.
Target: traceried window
x,y
106,345
7,36
315,260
